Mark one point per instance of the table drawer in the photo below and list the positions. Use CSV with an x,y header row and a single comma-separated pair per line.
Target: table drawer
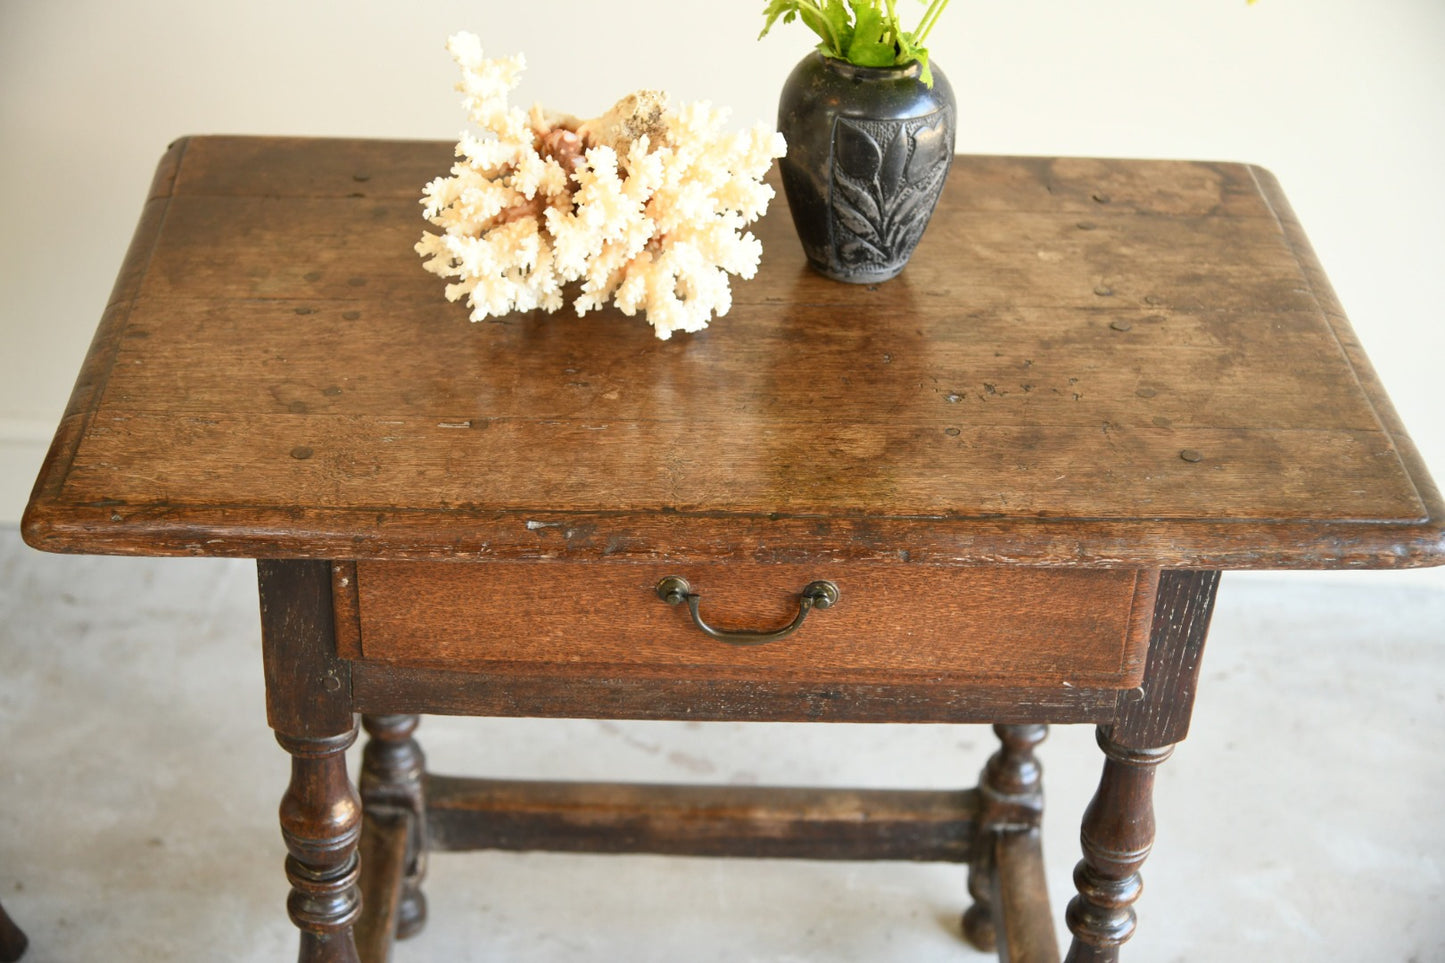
x,y
972,625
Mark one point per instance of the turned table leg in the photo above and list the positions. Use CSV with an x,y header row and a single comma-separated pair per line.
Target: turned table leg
x,y
1117,835
394,835
1118,826
12,940
321,823
1011,786
308,703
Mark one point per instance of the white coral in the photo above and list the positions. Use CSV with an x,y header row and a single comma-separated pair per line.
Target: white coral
x,y
645,205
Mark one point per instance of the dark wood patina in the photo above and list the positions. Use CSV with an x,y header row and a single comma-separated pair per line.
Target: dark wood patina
x,y
12,939
1023,463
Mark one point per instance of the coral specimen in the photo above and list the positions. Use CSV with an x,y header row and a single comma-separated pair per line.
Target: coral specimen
x,y
644,205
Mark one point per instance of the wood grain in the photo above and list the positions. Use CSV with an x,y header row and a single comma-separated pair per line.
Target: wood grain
x,y
383,861
308,687
321,825
1117,836
1026,922
586,691
1036,628
1160,714
747,821
278,376
345,610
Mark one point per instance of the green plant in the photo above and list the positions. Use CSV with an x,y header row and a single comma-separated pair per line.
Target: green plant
x,y
862,32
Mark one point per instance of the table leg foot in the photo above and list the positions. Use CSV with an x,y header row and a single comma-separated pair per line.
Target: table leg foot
x,y
1011,786
321,824
1118,832
12,939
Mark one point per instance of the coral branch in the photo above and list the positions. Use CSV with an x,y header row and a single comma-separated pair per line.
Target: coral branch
x,y
645,205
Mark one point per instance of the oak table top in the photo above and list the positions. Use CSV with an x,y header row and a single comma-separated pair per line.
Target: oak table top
x,y
1089,363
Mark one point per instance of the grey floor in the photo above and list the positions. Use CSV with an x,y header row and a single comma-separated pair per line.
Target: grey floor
x,y
1304,819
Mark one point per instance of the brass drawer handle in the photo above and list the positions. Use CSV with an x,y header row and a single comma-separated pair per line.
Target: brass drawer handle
x,y
674,590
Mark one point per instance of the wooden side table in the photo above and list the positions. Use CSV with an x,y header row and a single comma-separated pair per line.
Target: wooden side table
x,y
998,489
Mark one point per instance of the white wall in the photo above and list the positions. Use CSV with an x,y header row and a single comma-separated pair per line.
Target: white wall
x,y
1341,98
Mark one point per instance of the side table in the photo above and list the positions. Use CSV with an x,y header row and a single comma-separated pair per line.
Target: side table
x,y
999,489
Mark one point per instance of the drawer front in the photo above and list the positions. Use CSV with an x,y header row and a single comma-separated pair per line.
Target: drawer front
x,y
1009,626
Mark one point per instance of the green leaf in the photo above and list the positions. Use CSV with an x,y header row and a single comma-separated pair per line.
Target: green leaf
x,y
828,19
869,26
787,9
840,21
871,54
908,49
869,48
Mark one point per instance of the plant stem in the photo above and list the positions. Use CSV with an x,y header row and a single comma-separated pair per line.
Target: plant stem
x,y
930,17
893,21
821,26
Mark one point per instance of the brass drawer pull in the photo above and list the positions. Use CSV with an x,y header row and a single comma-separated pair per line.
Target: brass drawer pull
x,y
675,590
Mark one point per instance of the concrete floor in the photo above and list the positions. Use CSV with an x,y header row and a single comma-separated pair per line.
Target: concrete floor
x,y
1302,820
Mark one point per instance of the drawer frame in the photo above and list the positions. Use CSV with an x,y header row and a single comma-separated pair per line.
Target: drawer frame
x,y
518,655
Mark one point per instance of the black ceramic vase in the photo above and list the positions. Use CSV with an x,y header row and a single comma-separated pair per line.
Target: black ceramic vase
x,y
868,151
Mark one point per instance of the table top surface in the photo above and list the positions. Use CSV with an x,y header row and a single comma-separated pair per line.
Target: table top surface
x,y
1087,363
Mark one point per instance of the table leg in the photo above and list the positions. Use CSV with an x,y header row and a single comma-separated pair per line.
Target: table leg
x,y
1118,827
308,703
1011,784
394,835
978,920
321,823
1117,835
12,940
